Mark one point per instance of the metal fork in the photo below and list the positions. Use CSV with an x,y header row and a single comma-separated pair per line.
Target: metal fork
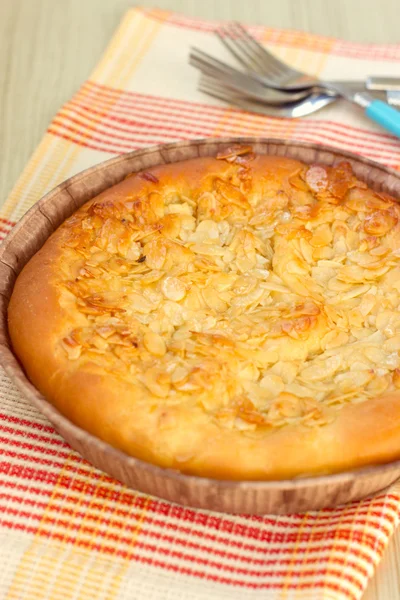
x,y
393,97
251,84
279,75
238,81
301,108
254,57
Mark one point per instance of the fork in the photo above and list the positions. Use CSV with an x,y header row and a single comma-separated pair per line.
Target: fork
x,y
393,97
251,84
239,81
278,75
300,108
255,58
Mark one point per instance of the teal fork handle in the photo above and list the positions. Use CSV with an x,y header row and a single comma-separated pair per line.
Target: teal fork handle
x,y
385,115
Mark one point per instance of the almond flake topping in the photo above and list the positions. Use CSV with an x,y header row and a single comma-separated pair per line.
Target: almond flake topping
x,y
263,303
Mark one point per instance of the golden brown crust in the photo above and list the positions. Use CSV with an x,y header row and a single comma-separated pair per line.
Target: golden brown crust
x,y
234,317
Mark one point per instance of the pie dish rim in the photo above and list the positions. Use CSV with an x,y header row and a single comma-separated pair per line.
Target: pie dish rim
x,y
289,495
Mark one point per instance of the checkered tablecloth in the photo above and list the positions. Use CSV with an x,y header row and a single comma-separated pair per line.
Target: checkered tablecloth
x,y
67,531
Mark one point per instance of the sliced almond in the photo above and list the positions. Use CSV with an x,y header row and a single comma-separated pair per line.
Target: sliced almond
x,y
321,369
154,343
155,253
392,344
157,381
173,288
273,383
322,236
213,301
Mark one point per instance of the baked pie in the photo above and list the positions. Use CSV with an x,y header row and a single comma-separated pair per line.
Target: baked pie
x,y
236,317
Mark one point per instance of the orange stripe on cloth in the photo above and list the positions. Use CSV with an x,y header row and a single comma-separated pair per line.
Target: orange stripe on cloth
x,y
288,37
122,56
95,94
298,57
51,164
85,535
76,565
196,118
233,122
348,566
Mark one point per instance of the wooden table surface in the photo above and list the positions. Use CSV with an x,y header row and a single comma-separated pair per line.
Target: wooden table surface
x,y
49,47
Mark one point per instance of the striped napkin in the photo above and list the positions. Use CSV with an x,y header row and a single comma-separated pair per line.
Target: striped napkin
x,y
68,531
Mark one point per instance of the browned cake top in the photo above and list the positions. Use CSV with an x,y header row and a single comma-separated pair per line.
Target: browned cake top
x,y
232,317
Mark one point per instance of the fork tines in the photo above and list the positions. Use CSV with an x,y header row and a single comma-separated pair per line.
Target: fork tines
x,y
250,53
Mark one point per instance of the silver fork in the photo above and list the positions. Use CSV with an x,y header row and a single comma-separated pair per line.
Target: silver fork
x,y
278,75
301,108
239,81
254,57
393,97
251,84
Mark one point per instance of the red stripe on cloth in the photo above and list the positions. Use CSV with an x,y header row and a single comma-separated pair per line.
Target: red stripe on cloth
x,y
185,556
176,114
91,146
126,498
5,231
133,100
96,143
325,546
27,458
87,135
75,472
46,448
198,517
109,122
115,123
202,574
24,501
163,508
186,543
393,496
391,501
19,527
323,583
228,526
197,124
45,439
261,572
110,151
116,94
100,547
293,38
48,440
344,515
111,550
265,536
323,130
72,484
291,537
108,137
11,223
79,480
187,515
26,422
116,147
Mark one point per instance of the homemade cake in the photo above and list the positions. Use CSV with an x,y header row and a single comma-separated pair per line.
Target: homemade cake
x,y
235,317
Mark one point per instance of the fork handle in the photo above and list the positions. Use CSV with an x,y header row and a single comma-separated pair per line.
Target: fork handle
x,y
387,116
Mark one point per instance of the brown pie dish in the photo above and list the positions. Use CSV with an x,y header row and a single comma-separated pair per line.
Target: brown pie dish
x,y
232,316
